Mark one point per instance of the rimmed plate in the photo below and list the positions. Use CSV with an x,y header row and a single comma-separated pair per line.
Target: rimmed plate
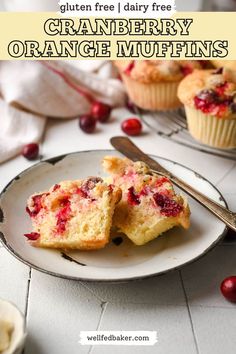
x,y
115,262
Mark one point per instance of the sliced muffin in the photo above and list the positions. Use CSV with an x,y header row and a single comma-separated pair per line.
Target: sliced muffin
x,y
73,214
149,204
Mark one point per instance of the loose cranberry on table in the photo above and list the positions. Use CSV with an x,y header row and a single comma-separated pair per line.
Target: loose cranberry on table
x,y
87,123
228,288
131,126
31,151
100,111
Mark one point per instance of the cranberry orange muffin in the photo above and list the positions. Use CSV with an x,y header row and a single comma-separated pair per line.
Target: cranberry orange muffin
x,y
209,97
73,214
149,205
153,84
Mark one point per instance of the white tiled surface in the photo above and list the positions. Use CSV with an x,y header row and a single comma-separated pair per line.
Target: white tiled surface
x,y
214,329
75,308
150,317
202,279
185,308
163,290
13,280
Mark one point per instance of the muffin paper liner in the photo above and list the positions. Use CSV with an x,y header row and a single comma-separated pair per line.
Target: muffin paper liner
x,y
210,130
154,96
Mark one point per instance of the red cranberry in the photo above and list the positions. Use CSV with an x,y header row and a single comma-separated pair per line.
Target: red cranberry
x,y
91,182
111,187
87,123
209,101
65,202
56,187
101,111
131,126
63,216
144,191
186,70
37,205
30,151
220,89
161,181
133,198
87,186
228,288
33,236
169,207
208,96
82,193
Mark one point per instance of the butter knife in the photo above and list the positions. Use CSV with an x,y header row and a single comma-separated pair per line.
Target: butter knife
x,y
130,150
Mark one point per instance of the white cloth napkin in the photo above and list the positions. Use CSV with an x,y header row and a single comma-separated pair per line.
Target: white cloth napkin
x,y
31,91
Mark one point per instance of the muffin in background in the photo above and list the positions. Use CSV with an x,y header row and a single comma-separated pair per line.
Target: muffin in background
x,y
209,97
153,84
229,68
229,64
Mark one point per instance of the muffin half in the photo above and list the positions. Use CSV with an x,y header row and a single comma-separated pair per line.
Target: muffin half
x,y
73,214
149,204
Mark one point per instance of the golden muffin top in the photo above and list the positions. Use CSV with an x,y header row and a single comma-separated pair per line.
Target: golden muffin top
x,y
151,71
210,91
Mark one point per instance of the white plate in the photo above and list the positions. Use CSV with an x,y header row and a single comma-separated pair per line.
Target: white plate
x,y
113,263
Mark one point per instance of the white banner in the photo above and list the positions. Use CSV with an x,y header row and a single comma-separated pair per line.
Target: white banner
x,y
118,338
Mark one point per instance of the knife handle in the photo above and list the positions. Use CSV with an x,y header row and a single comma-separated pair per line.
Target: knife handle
x,y
225,215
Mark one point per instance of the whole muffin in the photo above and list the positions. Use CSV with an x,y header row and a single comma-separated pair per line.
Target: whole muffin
x,y
209,97
153,84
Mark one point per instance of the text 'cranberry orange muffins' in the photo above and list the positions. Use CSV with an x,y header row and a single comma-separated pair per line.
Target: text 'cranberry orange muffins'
x,y
209,97
153,84
149,205
73,214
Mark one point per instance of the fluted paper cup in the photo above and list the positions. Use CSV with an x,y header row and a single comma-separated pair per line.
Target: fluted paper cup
x,y
154,96
211,130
